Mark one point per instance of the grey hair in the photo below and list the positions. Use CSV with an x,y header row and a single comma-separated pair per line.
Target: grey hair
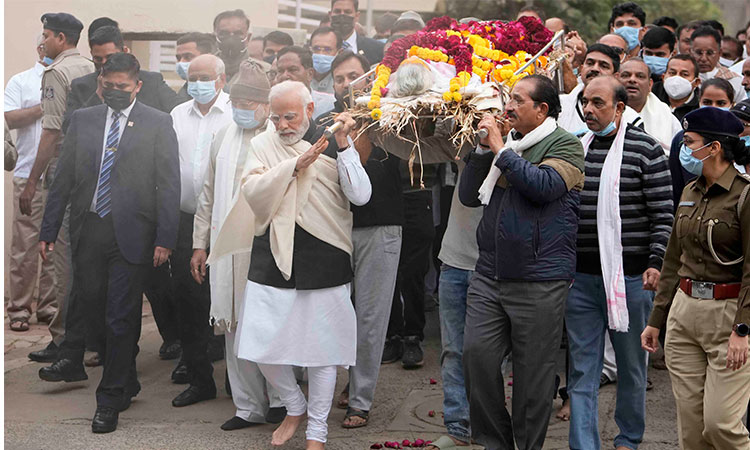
x,y
220,68
291,87
411,79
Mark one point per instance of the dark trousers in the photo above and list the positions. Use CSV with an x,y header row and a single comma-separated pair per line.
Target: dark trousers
x,y
193,304
407,317
524,318
108,289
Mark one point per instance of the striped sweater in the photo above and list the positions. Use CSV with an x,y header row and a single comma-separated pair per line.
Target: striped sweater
x,y
645,204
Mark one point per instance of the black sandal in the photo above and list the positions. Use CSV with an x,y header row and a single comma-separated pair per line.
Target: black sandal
x,y
353,412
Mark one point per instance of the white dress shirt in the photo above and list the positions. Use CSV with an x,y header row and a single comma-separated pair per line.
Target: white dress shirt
x,y
352,41
24,91
323,102
122,121
354,181
195,132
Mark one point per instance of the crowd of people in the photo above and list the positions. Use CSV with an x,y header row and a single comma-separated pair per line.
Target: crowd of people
x,y
613,212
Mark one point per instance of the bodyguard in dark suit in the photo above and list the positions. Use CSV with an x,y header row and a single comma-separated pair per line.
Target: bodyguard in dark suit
x,y
119,170
344,14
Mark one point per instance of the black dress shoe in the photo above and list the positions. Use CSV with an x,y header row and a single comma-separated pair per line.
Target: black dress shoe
x,y
170,350
194,394
236,423
47,354
64,370
215,348
180,374
105,420
275,415
130,392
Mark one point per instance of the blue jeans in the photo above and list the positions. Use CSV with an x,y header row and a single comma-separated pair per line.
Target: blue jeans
x,y
586,321
452,293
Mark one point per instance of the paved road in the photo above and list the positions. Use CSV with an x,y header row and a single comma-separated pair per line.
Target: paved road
x,y
41,415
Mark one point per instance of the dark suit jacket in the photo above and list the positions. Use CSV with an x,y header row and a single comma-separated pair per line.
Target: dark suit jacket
x,y
154,93
145,181
372,49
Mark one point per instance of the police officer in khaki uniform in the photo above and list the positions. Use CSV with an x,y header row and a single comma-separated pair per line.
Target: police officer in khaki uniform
x,y
61,33
706,281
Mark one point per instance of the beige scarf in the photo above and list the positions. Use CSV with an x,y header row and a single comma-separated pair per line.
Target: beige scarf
x,y
271,196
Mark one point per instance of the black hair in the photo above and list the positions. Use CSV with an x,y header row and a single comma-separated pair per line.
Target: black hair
x,y
105,35
305,55
620,94
719,83
625,8
658,36
608,52
121,62
71,37
394,38
231,13
101,22
687,57
278,37
733,148
715,24
545,91
405,25
326,30
535,9
640,60
356,3
686,26
204,42
385,22
735,41
739,32
347,55
666,21
706,30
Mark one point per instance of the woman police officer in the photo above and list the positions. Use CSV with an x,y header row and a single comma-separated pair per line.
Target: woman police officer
x,y
706,280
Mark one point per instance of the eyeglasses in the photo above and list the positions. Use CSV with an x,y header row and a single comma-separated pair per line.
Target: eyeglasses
x,y
708,53
224,35
321,49
275,118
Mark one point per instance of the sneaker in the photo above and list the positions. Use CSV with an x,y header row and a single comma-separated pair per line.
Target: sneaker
x,y
394,349
413,357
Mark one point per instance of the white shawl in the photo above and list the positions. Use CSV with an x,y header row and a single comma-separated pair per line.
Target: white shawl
x,y
659,122
609,230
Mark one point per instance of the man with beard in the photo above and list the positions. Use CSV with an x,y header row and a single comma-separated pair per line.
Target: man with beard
x,y
344,14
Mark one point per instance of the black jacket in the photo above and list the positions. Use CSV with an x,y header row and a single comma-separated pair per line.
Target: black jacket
x,y
372,49
154,93
683,109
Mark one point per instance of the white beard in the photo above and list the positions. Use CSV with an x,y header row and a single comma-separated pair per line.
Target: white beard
x,y
291,139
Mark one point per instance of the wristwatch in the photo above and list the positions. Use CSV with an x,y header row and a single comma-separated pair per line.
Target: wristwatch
x,y
742,329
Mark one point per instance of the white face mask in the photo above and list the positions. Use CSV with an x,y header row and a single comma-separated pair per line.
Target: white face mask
x,y
677,87
726,62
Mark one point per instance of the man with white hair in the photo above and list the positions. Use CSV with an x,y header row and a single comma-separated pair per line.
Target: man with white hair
x,y
293,212
196,122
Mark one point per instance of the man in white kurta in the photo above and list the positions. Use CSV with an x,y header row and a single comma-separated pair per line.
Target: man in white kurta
x,y
293,211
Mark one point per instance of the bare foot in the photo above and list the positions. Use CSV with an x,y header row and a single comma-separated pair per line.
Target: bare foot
x,y
315,445
564,412
459,443
286,430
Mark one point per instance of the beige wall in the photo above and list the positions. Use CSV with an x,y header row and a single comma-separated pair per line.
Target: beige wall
x,y
22,25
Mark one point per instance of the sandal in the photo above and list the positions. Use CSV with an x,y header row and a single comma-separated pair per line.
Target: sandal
x,y
446,443
353,412
19,325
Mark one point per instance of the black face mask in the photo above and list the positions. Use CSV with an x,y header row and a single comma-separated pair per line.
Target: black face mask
x,y
342,24
269,59
232,47
116,99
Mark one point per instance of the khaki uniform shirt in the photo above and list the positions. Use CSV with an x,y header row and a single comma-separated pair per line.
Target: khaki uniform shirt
x,y
688,254
56,80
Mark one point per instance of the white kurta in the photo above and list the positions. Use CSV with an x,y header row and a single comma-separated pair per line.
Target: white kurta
x,y
305,328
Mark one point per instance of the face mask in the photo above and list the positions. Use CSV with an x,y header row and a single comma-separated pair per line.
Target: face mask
x,y
746,140
630,35
690,162
726,62
342,24
116,99
202,91
384,40
677,87
47,60
245,118
747,94
657,64
232,47
322,63
606,130
182,69
269,59
723,108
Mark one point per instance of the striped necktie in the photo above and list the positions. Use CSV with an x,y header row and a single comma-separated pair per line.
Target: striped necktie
x,y
104,193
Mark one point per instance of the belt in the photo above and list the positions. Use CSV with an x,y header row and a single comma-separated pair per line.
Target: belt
x,y
708,290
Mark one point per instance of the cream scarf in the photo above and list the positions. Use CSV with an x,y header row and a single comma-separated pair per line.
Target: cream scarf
x,y
273,197
609,230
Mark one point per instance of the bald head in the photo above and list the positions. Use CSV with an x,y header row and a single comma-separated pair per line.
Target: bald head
x,y
614,40
603,100
207,64
554,24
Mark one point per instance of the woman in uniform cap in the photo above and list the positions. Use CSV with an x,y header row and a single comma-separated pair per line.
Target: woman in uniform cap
x,y
705,287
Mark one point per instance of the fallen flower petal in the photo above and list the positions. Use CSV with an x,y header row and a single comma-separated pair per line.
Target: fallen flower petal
x,y
433,381
376,445
431,413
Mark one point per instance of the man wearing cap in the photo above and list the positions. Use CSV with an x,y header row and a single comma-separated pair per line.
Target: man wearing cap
x,y
408,23
229,151
61,33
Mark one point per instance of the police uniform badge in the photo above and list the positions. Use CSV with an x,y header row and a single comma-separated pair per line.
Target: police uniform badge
x,y
49,93
684,124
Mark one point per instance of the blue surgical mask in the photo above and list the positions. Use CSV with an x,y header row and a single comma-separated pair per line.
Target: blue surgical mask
x,y
47,60
723,108
746,140
690,162
630,35
202,91
245,118
182,69
606,130
657,64
322,63
747,94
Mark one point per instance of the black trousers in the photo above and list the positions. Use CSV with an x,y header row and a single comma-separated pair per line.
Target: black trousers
x,y
407,317
109,290
193,304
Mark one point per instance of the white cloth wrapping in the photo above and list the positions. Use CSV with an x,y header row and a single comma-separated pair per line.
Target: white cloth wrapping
x,y
609,230
529,140
659,122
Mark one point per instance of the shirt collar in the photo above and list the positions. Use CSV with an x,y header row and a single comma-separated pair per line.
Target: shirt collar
x,y
222,103
66,53
38,68
725,180
353,40
125,112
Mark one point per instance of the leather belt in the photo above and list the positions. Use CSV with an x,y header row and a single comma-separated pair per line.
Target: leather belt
x,y
705,290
